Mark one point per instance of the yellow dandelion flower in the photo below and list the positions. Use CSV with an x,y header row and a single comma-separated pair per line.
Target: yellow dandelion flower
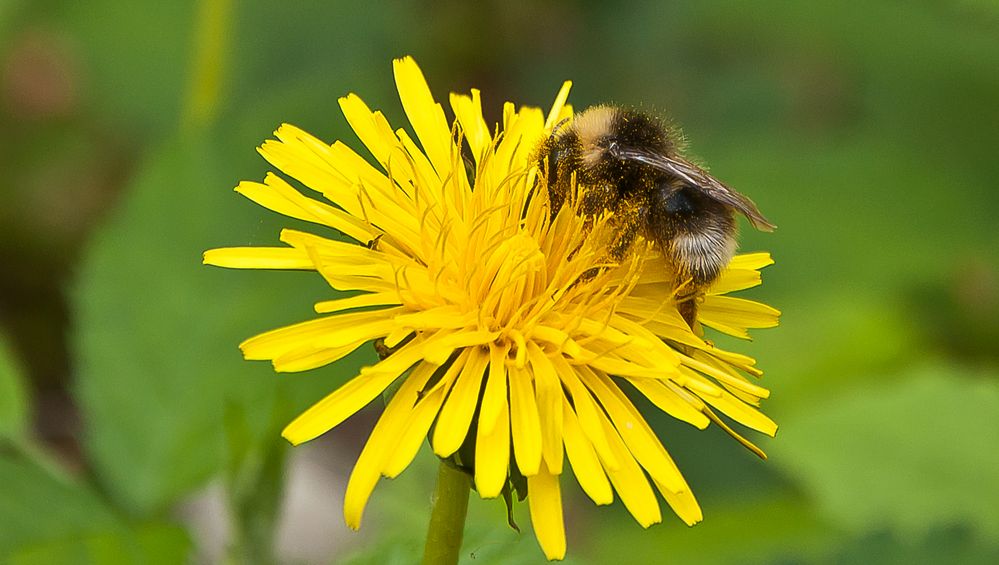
x,y
509,330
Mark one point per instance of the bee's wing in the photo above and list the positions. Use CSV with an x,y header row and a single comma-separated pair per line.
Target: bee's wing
x,y
699,178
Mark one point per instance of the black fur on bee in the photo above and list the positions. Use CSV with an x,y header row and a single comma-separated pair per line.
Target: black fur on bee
x,y
630,163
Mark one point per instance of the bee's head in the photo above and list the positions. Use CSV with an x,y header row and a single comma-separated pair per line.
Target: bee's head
x,y
594,131
602,131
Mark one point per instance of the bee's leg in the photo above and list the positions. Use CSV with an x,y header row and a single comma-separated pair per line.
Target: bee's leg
x,y
688,298
688,309
555,160
627,221
626,229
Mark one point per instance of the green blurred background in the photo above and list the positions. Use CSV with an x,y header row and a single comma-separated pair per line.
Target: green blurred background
x,y
131,431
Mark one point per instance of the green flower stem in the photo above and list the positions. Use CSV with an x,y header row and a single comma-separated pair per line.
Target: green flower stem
x,y
447,516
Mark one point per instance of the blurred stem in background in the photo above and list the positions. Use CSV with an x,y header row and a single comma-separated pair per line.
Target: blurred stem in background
x,y
15,438
254,481
254,477
209,57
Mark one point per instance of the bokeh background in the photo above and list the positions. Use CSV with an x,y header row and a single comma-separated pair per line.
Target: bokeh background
x,y
131,431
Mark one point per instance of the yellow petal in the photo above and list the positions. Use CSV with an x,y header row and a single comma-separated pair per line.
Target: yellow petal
x,y
309,357
669,402
733,280
335,171
359,301
737,313
456,415
405,357
524,422
454,367
723,376
344,178
549,396
614,366
426,182
583,459
599,329
376,134
664,355
339,254
587,412
492,453
448,316
729,359
258,258
754,261
742,413
468,111
733,331
335,408
418,423
556,337
683,504
426,115
439,351
630,482
556,110
380,445
396,336
522,131
277,195
368,330
494,399
545,502
361,484
635,432
274,343
342,403
521,136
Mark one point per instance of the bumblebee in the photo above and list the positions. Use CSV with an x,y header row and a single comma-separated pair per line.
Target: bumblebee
x,y
631,163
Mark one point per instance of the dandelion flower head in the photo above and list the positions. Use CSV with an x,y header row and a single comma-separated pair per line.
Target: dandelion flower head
x,y
510,334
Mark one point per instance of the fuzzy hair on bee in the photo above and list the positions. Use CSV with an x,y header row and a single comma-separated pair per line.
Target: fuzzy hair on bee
x,y
632,164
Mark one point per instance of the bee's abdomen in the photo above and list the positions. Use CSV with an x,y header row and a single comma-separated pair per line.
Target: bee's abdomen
x,y
701,256
696,234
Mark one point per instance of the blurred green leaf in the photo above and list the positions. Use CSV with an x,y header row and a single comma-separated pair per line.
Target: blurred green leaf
x,y
828,343
45,519
36,507
157,332
13,396
952,545
780,526
910,455
137,56
155,544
